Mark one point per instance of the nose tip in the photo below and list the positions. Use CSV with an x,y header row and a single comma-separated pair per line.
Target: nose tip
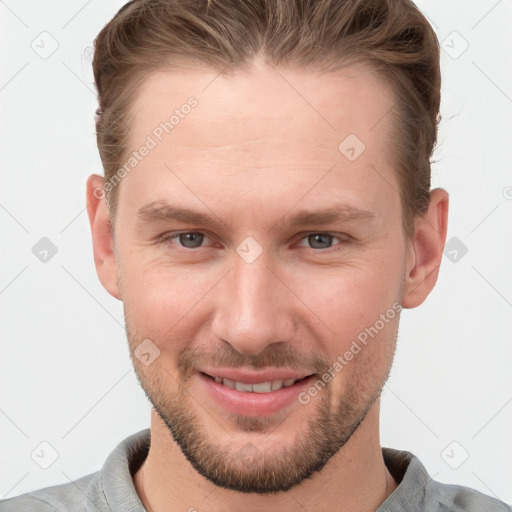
x,y
252,309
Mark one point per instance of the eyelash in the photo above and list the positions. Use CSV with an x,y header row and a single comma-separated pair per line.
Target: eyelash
x,y
167,238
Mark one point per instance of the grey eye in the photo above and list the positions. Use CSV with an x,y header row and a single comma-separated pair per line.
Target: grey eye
x,y
191,240
320,240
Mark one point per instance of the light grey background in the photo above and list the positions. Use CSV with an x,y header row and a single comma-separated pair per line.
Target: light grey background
x,y
65,374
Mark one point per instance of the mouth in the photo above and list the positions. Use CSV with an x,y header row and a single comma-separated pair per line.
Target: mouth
x,y
257,387
264,395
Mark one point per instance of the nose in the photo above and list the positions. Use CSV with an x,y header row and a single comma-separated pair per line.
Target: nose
x,y
253,307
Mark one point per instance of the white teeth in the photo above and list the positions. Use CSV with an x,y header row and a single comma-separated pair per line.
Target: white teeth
x,y
277,384
243,387
229,383
260,387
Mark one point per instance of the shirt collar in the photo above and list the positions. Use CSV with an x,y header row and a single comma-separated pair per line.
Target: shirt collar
x,y
115,489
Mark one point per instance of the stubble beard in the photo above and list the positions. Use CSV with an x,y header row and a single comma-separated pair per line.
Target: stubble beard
x,y
253,467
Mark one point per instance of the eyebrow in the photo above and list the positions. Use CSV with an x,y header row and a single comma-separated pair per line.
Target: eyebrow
x,y
339,212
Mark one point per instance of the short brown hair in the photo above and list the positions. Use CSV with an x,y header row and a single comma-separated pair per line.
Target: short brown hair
x,y
224,35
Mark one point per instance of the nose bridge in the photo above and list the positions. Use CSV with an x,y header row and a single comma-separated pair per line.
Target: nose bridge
x,y
251,312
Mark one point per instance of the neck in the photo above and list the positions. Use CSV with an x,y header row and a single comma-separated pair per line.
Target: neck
x,y
355,479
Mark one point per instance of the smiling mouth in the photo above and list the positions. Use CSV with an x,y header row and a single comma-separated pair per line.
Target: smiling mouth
x,y
260,387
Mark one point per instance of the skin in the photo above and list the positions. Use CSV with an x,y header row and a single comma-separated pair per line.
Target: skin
x,y
252,153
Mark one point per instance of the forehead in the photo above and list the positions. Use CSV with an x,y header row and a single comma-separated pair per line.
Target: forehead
x,y
265,101
266,129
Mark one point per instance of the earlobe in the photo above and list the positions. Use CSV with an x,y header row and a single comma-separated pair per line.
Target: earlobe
x,y
102,239
426,250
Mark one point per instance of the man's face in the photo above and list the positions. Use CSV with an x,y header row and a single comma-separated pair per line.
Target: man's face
x,y
263,284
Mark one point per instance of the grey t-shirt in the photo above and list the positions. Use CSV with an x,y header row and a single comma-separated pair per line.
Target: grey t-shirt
x,y
112,488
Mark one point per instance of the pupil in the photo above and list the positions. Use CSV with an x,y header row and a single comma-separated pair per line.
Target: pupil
x,y
191,240
320,241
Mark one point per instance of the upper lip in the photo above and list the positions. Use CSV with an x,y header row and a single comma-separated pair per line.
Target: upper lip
x,y
253,377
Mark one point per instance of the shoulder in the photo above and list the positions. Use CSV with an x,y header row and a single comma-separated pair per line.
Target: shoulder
x,y
69,497
458,498
111,488
417,491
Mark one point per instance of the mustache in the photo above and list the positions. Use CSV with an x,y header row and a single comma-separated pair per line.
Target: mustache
x,y
277,355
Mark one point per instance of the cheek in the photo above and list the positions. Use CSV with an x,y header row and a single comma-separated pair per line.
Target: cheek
x,y
352,296
361,362
161,299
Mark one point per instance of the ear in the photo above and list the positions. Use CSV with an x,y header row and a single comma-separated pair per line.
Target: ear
x,y
102,238
426,250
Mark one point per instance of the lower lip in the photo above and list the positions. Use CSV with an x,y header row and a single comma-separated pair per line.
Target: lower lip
x,y
254,404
